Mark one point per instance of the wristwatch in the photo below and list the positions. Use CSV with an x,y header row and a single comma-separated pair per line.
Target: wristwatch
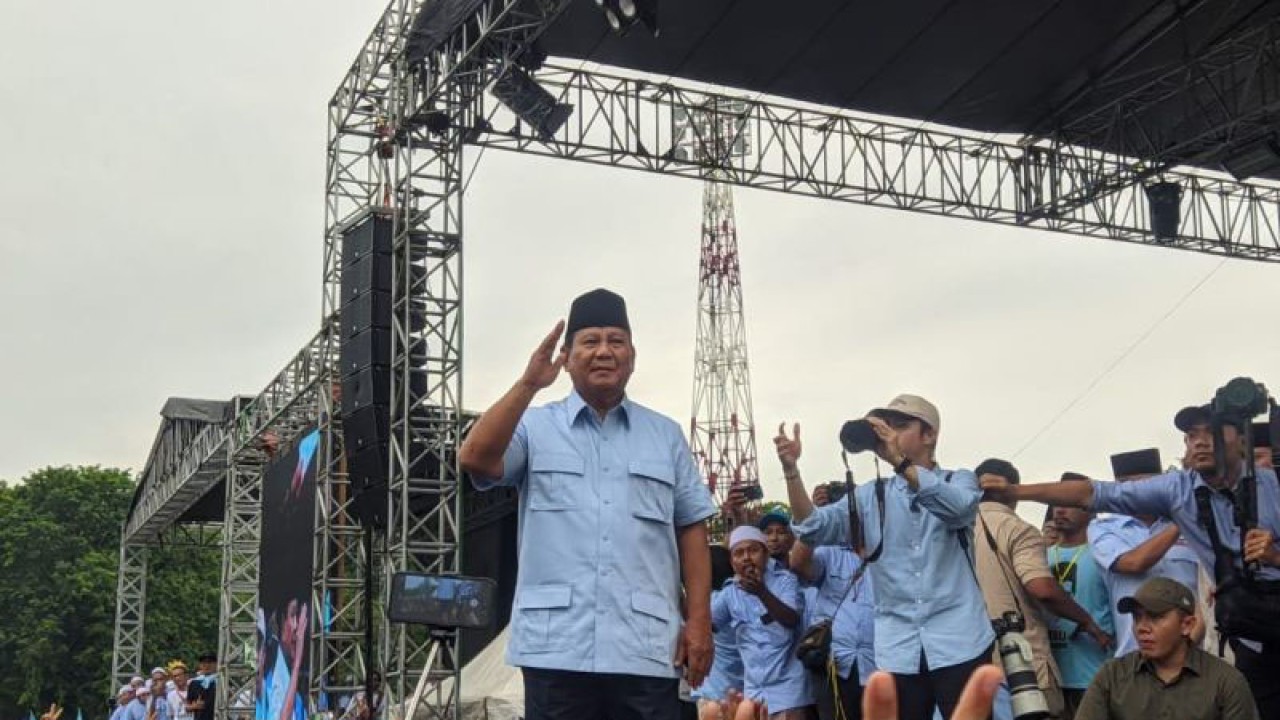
x,y
902,466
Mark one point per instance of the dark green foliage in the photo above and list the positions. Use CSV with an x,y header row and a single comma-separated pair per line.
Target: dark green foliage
x,y
59,547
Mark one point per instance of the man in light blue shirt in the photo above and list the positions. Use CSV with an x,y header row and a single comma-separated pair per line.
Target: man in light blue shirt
x,y
762,606
124,696
726,667
1132,549
612,513
1173,496
845,597
931,625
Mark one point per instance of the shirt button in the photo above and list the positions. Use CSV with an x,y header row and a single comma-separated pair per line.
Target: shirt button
x,y
606,538
607,501
606,468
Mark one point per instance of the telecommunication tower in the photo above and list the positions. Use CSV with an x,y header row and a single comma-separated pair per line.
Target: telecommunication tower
x,y
722,434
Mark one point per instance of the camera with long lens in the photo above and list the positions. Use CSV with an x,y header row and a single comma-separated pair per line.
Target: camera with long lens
x,y
1025,695
858,436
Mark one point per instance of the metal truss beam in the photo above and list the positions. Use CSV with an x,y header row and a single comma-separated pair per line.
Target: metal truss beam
x,y
286,407
381,156
200,466
340,563
629,122
131,612
424,508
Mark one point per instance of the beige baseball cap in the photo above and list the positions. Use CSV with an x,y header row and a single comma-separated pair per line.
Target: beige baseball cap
x,y
911,406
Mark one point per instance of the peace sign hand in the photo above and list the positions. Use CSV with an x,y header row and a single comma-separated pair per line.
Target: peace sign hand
x,y
542,369
788,448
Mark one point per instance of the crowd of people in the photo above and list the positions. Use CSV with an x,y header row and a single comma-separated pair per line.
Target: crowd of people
x,y
897,597
170,693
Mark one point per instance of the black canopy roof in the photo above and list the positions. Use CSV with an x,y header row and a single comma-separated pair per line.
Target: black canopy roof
x,y
1179,80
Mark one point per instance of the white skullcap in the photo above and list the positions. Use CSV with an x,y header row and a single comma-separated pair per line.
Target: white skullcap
x,y
745,533
124,689
136,680
144,690
160,670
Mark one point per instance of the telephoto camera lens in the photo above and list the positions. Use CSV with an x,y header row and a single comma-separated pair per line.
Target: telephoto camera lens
x,y
858,436
1025,695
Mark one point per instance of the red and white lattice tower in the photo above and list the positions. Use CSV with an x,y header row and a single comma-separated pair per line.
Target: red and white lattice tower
x,y
722,434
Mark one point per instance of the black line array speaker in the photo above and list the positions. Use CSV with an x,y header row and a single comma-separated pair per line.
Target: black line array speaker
x,y
365,362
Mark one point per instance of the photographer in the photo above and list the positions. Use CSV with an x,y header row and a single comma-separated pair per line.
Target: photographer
x,y
1173,495
931,625
1015,577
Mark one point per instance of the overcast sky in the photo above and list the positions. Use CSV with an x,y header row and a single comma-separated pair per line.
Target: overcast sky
x,y
161,227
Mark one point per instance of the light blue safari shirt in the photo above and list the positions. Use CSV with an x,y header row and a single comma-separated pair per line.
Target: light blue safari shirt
x,y
599,584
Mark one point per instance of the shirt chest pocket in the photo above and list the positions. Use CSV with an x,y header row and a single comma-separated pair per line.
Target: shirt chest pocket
x,y
555,479
651,490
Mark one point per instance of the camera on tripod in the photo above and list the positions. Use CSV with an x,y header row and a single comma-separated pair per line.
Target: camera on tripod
x,y
1025,695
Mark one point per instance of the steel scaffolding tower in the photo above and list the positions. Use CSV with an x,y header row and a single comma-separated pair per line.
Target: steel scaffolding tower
x,y
722,433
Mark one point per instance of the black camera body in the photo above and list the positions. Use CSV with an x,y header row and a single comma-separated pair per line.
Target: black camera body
x,y
836,490
858,436
1239,401
1011,621
1025,696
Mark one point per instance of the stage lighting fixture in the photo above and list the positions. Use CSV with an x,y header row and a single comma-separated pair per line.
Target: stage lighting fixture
x,y
622,14
1164,201
531,102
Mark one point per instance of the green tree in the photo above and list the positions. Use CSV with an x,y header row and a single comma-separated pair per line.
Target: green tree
x,y
59,550
59,539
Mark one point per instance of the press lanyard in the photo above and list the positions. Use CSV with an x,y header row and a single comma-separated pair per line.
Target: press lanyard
x,y
1065,573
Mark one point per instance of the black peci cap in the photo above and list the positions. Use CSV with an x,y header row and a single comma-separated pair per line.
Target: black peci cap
x,y
598,308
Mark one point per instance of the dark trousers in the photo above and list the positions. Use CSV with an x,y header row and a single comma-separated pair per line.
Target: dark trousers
x,y
845,695
1262,672
568,695
918,694
1071,698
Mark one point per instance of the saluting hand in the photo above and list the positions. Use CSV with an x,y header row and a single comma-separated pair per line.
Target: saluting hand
x,y
788,448
545,363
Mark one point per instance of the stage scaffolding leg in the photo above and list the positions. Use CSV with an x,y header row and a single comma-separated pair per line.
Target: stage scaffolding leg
x,y
339,664
237,627
426,388
131,606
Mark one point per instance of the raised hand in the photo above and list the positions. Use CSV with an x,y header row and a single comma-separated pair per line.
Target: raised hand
x,y
788,448
545,363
